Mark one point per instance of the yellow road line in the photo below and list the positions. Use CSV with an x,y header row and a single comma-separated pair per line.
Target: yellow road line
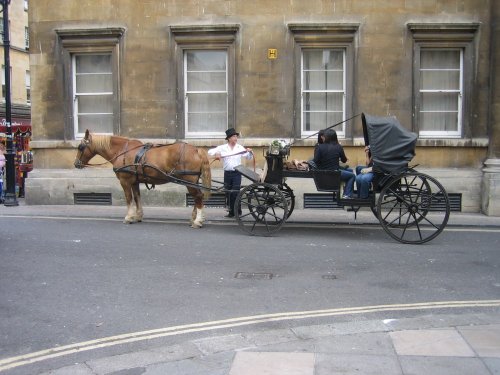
x,y
60,351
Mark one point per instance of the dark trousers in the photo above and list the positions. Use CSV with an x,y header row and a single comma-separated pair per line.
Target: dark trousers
x,y
232,184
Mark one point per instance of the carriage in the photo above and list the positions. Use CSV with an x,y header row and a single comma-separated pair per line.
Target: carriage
x,y
412,207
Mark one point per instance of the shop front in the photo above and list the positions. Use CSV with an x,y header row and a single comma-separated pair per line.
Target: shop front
x,y
21,136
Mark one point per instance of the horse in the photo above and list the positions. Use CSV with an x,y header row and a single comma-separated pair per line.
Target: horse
x,y
135,162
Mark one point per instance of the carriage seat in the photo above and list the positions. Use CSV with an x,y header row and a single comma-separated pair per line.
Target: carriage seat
x,y
327,180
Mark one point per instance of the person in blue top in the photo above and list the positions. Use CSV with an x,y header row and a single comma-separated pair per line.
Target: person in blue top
x,y
327,156
364,175
231,154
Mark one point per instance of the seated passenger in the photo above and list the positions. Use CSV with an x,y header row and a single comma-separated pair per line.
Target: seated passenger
x,y
321,140
364,175
327,156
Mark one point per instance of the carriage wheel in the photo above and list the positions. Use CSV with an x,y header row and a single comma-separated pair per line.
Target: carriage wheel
x,y
289,196
413,208
263,209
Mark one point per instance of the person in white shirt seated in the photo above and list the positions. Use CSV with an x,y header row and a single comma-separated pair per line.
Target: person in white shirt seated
x,y
231,154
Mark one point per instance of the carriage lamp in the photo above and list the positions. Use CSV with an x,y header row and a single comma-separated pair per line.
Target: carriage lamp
x,y
10,193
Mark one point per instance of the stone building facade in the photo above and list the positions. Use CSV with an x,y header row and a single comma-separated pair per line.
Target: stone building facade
x,y
187,70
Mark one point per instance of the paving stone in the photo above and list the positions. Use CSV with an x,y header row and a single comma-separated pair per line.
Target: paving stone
x,y
347,328
251,363
130,371
142,358
273,336
415,365
217,344
433,342
218,364
493,365
348,364
78,369
485,340
364,343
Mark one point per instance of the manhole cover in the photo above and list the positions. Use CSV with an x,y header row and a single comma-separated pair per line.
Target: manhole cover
x,y
253,275
329,277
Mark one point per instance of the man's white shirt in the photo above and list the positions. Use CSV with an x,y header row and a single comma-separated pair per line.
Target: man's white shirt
x,y
231,157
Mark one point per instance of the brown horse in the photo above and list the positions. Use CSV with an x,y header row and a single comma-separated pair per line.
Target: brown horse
x,y
134,163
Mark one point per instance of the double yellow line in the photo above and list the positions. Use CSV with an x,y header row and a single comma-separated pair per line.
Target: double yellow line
x,y
10,363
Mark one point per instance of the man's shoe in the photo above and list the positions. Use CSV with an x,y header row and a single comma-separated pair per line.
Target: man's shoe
x,y
229,215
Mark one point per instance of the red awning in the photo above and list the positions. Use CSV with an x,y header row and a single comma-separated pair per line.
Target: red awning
x,y
23,125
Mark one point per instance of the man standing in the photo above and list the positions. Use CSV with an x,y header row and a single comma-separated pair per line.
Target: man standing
x,y
231,154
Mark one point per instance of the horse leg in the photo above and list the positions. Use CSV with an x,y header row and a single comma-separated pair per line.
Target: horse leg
x,y
197,216
138,203
127,189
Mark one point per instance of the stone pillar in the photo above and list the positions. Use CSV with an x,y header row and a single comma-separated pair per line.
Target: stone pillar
x,y
490,197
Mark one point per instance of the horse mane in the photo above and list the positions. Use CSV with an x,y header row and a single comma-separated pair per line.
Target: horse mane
x,y
101,142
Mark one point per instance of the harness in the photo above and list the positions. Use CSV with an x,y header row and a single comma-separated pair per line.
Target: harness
x,y
140,165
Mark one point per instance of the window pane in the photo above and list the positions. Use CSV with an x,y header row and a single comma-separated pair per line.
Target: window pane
x,y
323,60
94,83
208,81
99,123
95,104
326,80
206,61
207,122
435,121
323,101
207,103
315,121
437,101
93,64
439,59
440,80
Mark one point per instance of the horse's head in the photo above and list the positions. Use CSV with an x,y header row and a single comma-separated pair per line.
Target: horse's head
x,y
85,152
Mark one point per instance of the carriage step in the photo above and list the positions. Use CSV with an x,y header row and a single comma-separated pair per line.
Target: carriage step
x,y
321,201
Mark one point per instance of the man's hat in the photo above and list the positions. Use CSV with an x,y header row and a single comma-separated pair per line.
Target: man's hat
x,y
230,132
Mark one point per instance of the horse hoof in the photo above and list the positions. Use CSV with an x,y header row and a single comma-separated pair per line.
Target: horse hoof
x,y
196,226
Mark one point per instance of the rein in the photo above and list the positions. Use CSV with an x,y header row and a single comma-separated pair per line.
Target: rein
x,y
238,153
332,126
126,149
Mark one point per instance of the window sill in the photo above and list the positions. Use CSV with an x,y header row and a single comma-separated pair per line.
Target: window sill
x,y
264,142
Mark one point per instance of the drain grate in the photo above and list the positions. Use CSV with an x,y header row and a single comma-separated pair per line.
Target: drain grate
x,y
216,200
327,201
100,199
455,202
253,275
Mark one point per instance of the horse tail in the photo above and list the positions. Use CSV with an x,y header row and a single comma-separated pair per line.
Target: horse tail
x,y
206,173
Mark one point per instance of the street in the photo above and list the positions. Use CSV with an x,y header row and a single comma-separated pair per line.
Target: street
x,y
68,280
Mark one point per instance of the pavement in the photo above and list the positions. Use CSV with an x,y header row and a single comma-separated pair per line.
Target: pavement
x,y
432,338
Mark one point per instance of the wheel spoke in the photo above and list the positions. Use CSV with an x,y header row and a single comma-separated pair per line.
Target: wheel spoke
x,y
413,208
263,209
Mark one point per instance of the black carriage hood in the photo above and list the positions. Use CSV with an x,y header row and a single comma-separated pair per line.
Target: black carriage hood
x,y
391,145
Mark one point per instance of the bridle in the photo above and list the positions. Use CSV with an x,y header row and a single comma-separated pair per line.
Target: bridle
x,y
86,143
81,148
